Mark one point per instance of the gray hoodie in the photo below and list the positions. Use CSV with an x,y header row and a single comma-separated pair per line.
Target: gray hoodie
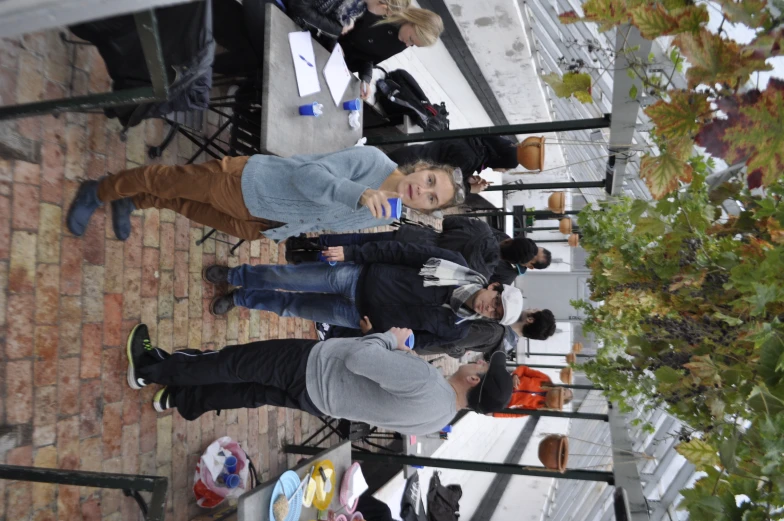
x,y
366,379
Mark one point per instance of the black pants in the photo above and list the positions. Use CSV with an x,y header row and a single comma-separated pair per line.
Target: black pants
x,y
270,372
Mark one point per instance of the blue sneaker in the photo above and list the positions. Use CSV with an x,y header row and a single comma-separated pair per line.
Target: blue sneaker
x,y
83,207
121,217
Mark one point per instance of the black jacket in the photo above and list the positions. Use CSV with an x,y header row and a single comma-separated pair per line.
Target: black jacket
x,y
472,238
483,336
317,16
469,154
503,272
391,293
368,44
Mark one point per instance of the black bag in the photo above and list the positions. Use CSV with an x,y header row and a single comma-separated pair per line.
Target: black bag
x,y
411,506
443,502
187,47
399,93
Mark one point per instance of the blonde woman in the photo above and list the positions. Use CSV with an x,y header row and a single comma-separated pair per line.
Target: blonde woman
x,y
374,39
331,18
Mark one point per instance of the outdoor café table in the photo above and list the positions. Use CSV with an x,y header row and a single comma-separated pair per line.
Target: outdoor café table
x,y
254,504
283,131
428,445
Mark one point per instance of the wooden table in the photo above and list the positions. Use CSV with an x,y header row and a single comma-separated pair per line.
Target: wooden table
x,y
283,131
254,504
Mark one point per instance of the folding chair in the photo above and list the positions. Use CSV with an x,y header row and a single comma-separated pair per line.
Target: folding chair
x,y
355,432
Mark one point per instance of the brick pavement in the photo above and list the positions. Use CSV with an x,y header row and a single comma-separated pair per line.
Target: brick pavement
x,y
67,304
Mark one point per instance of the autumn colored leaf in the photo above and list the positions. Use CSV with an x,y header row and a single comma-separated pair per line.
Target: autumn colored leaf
x,y
699,453
691,18
607,13
569,17
682,116
653,21
577,84
662,173
753,13
702,367
767,44
716,60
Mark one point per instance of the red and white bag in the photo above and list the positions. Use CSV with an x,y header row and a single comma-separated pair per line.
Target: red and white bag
x,y
208,493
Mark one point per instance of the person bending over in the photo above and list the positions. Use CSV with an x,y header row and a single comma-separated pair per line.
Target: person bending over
x,y
371,379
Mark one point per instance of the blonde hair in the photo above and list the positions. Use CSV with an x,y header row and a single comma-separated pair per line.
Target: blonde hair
x,y
428,26
395,6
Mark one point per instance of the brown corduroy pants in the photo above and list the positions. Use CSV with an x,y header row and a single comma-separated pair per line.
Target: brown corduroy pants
x,y
208,193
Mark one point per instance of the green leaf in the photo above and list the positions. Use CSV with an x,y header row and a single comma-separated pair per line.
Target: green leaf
x,y
630,73
662,173
762,401
649,226
727,453
733,321
699,453
681,117
753,13
633,92
765,294
577,84
668,375
651,58
639,207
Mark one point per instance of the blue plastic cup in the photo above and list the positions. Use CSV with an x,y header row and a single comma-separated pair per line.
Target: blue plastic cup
x,y
322,259
311,109
410,341
230,464
353,104
397,207
447,429
229,480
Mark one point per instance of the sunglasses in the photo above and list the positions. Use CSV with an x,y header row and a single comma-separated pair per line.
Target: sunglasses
x,y
457,177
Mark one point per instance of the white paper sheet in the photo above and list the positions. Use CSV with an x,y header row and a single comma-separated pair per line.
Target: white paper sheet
x,y
336,74
304,63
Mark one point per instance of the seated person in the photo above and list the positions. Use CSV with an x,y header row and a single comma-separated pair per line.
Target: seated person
x,y
531,391
372,379
472,238
394,284
332,18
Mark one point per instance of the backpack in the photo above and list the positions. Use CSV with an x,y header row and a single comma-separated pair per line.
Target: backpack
x,y
401,94
443,501
411,506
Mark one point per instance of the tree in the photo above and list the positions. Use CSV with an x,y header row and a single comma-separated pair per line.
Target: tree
x,y
691,314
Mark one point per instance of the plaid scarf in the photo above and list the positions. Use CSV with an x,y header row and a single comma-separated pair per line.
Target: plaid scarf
x,y
440,272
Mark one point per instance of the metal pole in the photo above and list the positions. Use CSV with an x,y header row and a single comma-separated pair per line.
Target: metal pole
x,y
511,187
499,130
562,241
578,355
557,414
575,229
477,466
579,386
538,366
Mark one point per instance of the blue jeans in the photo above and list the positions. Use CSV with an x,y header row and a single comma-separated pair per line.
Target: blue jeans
x,y
354,239
327,293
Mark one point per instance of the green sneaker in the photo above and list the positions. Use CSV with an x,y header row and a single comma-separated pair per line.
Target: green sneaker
x,y
161,400
138,344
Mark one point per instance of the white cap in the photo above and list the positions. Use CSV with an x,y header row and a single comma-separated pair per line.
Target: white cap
x,y
513,305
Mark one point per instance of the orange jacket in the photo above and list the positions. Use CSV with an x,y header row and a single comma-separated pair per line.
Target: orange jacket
x,y
531,381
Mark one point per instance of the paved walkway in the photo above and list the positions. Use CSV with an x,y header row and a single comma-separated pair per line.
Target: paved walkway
x,y
67,304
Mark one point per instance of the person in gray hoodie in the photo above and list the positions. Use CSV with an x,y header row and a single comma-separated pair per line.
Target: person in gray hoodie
x,y
372,379
280,197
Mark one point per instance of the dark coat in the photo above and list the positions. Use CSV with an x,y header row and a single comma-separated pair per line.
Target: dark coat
x,y
472,238
504,272
469,154
483,336
368,44
391,292
321,17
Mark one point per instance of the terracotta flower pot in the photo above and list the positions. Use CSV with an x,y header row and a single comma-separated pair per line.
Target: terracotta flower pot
x,y
574,240
530,153
566,375
565,225
571,358
577,347
557,202
554,452
554,399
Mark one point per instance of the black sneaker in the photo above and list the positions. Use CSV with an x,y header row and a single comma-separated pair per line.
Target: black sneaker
x,y
137,346
222,304
162,400
218,275
322,330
